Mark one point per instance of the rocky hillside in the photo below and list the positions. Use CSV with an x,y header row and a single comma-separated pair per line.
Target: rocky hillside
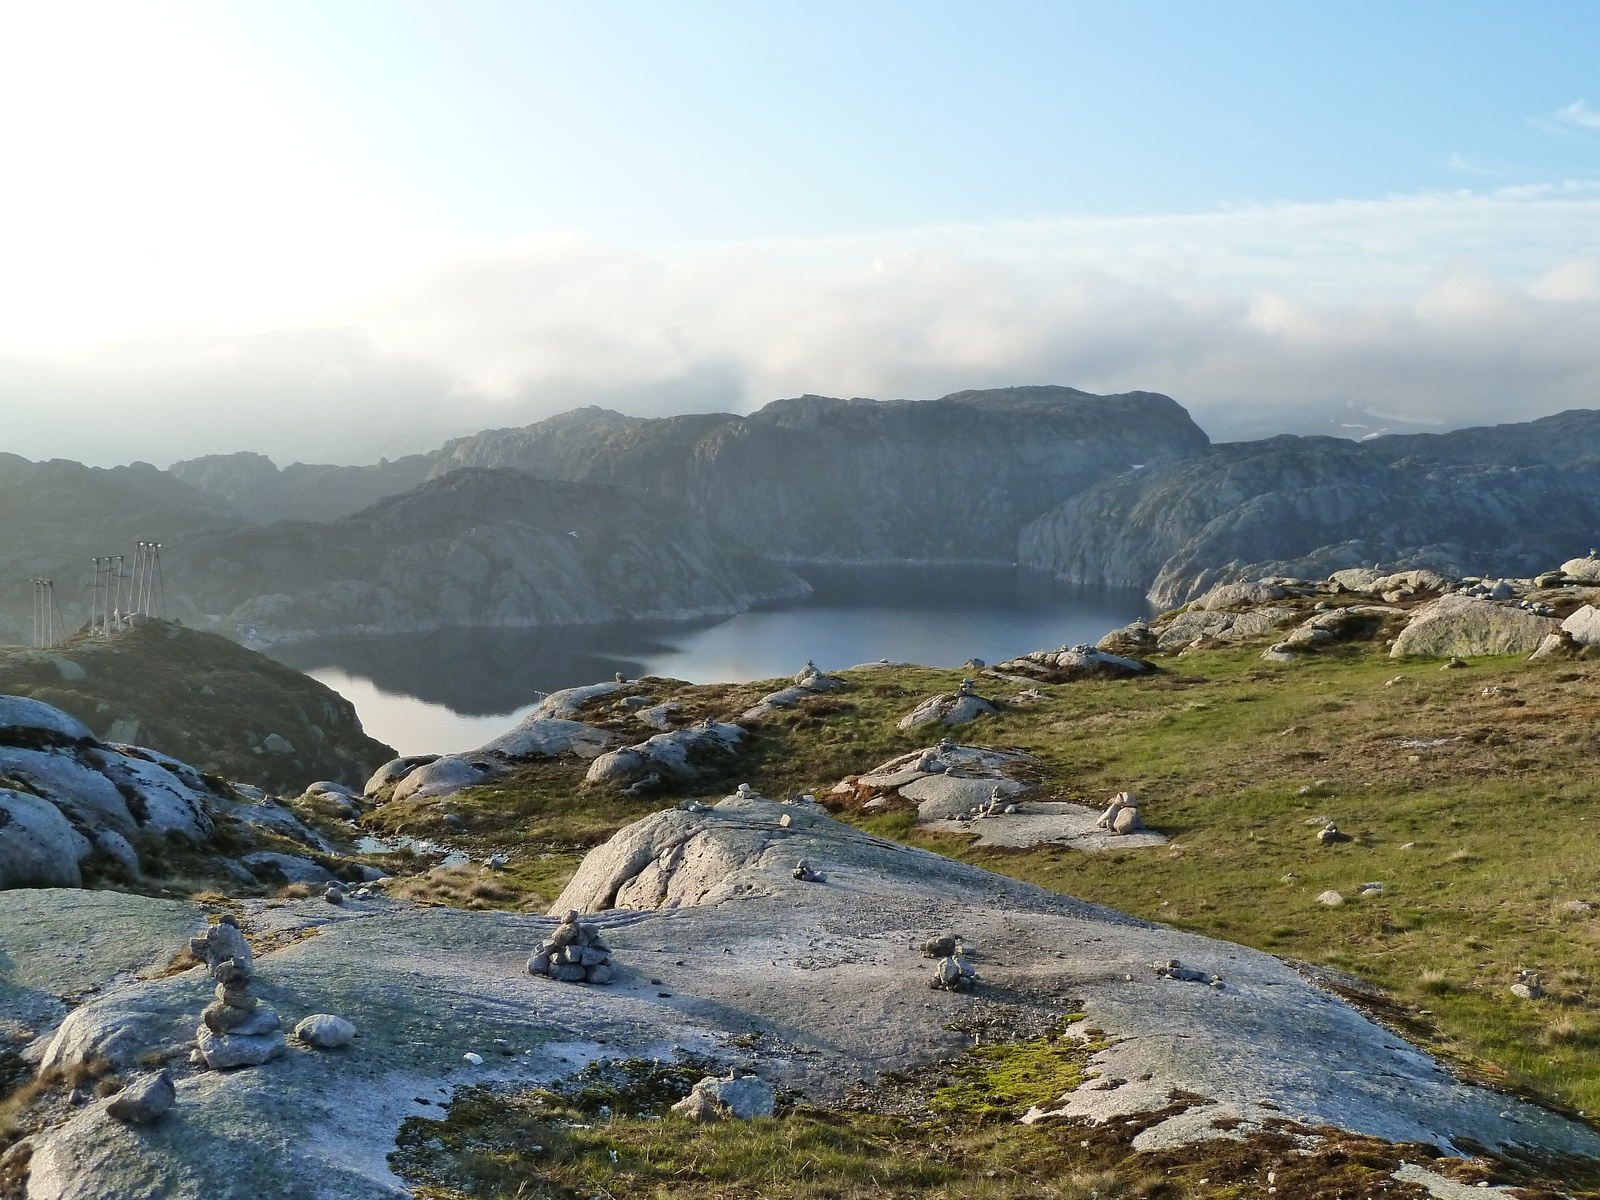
x,y
808,478
55,515
205,700
1505,500
475,547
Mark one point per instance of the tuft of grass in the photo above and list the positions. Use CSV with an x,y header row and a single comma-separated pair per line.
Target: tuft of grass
x,y
1568,1031
18,1115
1002,1082
462,887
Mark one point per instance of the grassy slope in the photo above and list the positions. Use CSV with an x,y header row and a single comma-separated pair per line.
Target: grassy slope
x,y
1232,757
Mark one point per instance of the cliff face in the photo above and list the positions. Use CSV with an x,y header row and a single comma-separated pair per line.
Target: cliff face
x,y
1507,500
205,700
862,480
475,548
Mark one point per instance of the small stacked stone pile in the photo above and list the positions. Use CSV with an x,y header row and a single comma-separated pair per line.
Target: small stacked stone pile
x,y
574,953
954,971
1121,815
1528,986
1173,969
236,1029
806,873
998,805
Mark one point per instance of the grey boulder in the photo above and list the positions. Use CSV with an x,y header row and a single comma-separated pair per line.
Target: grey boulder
x,y
145,1099
1468,627
1237,595
393,771
1584,626
444,777
947,708
740,1098
325,1031
21,713
682,754
548,737
38,845
565,703
272,867
1584,570
226,1051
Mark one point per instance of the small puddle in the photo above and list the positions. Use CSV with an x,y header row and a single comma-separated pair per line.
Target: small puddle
x,y
368,844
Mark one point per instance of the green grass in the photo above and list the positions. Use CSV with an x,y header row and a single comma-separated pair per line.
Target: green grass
x,y
1002,1082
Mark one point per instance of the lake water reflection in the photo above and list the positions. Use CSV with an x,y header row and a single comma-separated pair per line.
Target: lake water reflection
x,y
454,689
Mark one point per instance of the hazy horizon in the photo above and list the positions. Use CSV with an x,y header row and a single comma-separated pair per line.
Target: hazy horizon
x,y
334,233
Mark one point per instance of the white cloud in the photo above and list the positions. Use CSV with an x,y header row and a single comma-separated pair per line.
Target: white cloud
x,y
1448,309
1579,113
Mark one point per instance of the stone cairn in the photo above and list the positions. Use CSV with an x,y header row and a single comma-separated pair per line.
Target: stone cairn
x,y
806,873
954,972
998,805
1528,986
236,1029
1121,815
574,953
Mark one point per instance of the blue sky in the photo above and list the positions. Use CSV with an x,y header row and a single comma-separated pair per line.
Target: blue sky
x,y
342,229
651,123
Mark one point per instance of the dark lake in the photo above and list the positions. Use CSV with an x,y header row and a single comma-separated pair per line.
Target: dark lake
x,y
455,689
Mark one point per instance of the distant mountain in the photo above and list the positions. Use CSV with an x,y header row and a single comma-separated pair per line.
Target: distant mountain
x,y
476,547
809,478
1120,490
263,493
829,480
1503,500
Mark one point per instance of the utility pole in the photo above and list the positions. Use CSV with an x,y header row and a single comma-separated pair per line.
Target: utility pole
x,y
157,608
138,561
47,629
96,590
124,594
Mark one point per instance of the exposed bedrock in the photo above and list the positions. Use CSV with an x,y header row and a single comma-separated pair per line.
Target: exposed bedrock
x,y
714,934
